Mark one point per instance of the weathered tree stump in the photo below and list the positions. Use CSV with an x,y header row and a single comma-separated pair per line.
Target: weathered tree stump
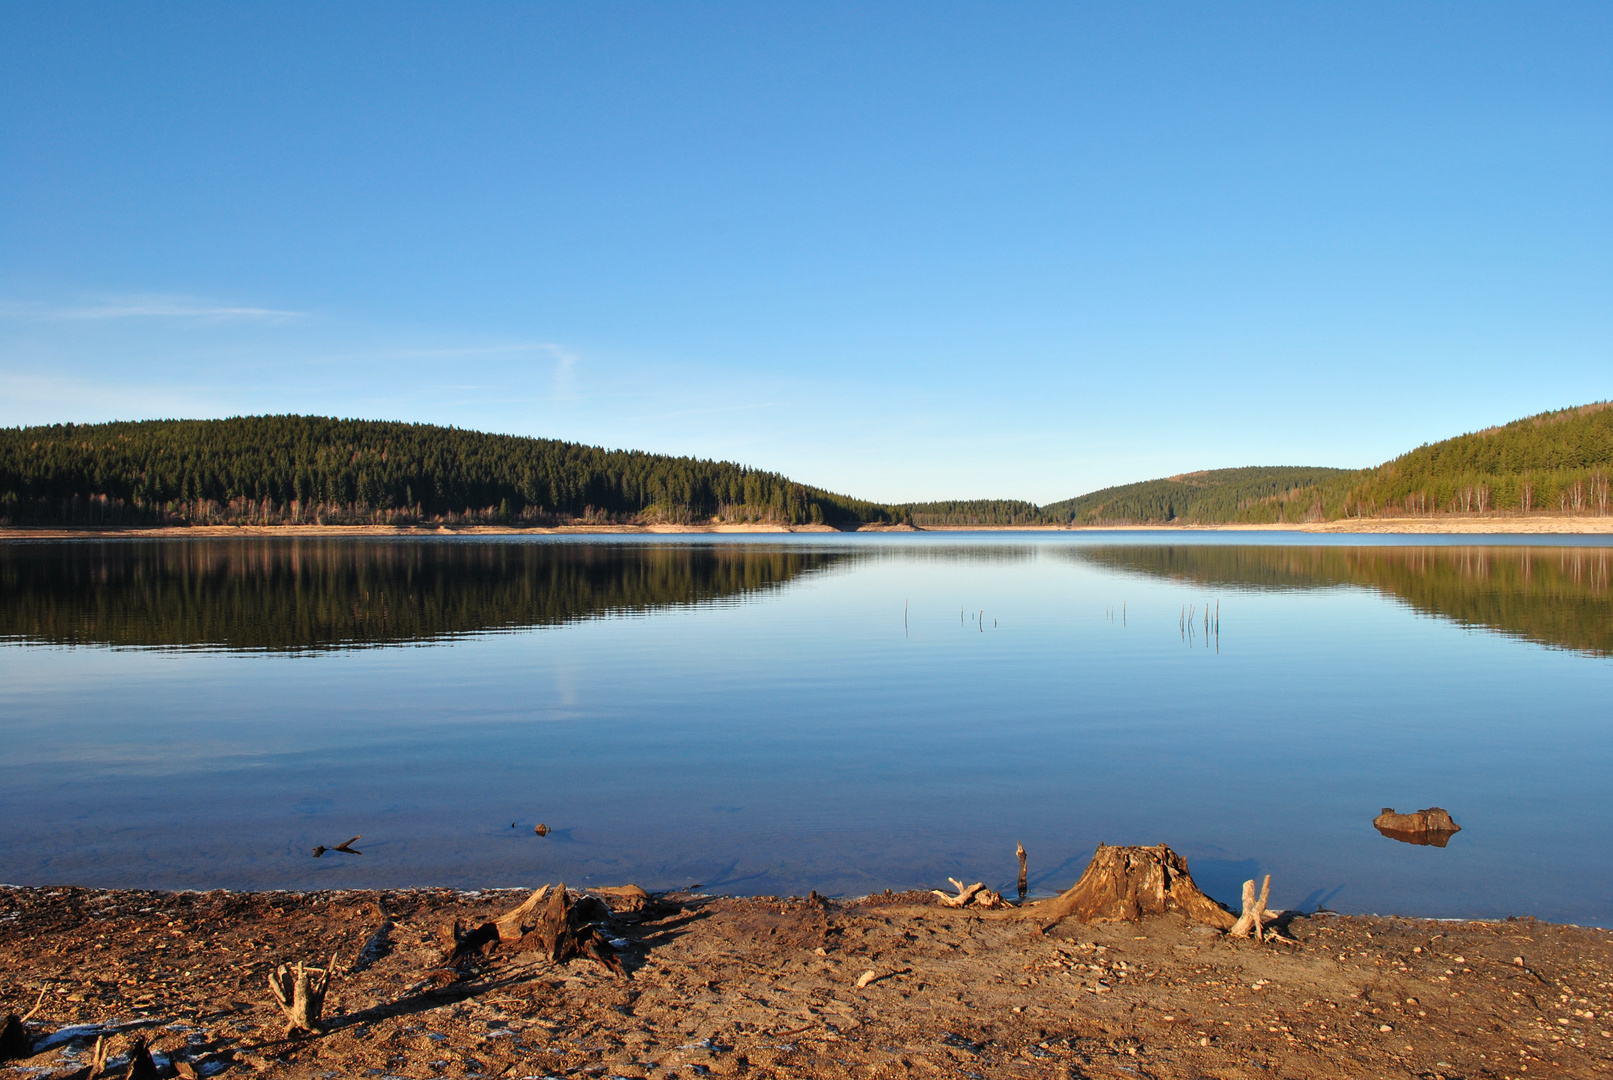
x,y
15,1042
141,1067
300,993
562,935
1024,872
514,925
1124,884
1432,827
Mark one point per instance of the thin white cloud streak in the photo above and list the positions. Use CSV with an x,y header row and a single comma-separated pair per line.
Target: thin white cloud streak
x,y
142,308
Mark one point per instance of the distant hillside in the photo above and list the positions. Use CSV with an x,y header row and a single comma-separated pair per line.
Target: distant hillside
x,y
970,512
1256,494
1558,462
287,469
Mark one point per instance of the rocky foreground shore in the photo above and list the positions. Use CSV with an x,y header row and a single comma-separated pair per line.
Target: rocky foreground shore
x,y
889,985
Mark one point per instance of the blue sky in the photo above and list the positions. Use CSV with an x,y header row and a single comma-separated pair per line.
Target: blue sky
x,y
903,251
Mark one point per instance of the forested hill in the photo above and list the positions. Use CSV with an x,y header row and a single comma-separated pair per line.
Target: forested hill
x,y
1256,494
292,469
289,469
1556,461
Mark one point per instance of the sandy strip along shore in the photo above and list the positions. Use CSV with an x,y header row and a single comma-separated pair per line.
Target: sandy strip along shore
x,y
1450,525
765,987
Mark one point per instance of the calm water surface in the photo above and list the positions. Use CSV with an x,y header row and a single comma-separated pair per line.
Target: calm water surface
x,y
837,713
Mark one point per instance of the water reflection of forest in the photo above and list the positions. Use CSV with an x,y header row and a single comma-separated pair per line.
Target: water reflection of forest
x,y
1558,597
299,594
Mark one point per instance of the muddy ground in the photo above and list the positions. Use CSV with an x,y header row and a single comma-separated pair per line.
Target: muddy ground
x,y
763,987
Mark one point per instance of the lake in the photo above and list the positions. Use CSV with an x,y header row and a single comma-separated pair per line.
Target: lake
x,y
845,713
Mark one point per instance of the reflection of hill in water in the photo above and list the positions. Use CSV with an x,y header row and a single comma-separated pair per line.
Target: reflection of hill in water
x,y
296,595
1554,596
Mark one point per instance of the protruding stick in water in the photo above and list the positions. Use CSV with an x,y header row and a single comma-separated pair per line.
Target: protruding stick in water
x,y
1024,874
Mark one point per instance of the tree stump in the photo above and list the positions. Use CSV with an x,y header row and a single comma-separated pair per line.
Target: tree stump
x,y
15,1042
300,993
141,1067
1124,884
515,925
1432,827
562,935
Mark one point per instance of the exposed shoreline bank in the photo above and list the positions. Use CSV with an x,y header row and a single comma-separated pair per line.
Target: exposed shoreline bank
x,y
1533,525
767,987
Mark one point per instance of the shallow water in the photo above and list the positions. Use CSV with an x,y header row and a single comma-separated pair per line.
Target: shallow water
x,y
840,713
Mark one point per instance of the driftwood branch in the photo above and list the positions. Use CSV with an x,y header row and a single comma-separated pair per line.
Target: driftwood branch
x,y
300,993
346,847
966,893
976,895
1251,922
98,1057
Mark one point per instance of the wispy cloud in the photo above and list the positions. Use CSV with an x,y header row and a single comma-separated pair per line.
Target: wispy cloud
x,y
565,380
141,307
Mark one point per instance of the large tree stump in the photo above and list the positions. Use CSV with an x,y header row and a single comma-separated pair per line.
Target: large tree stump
x,y
141,1067
300,993
562,935
1124,884
15,1042
1431,827
516,924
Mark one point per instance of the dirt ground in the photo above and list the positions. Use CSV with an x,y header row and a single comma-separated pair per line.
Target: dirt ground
x,y
764,987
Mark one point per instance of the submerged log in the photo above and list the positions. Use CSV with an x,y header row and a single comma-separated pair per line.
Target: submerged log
x,y
1124,884
1432,827
300,993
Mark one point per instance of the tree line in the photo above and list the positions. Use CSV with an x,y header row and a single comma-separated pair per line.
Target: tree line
x,y
313,469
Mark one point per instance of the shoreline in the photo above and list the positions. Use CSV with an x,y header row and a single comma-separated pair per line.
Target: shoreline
x,y
768,987
1536,525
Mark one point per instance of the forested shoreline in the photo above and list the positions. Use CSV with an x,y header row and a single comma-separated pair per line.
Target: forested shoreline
x,y
273,470
298,470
